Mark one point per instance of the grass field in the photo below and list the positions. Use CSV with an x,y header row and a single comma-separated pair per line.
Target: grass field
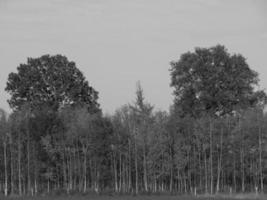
x,y
143,197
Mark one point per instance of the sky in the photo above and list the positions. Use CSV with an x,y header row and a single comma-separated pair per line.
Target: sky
x,y
116,43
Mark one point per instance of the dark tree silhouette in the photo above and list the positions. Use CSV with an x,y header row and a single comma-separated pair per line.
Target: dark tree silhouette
x,y
212,80
50,80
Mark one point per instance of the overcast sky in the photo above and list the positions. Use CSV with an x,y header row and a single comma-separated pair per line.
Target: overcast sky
x,y
118,42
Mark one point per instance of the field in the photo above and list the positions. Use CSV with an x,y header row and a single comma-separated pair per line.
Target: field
x,y
142,197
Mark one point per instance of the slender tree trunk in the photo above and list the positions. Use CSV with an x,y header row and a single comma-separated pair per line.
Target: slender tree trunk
x,y
171,179
35,191
206,173
70,168
200,169
35,182
11,166
65,183
219,163
189,181
211,157
28,162
242,170
144,166
120,171
234,174
129,168
115,172
5,163
136,166
172,165
96,178
19,165
48,185
74,177
260,158
80,170
124,175
85,170
242,158
194,170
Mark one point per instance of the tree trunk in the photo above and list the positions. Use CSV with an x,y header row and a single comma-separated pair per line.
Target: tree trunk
x,y
144,166
35,191
19,165
234,174
242,158
206,172
11,166
219,163
200,169
115,172
84,168
211,158
172,165
120,171
5,163
260,158
28,162
129,168
136,167
65,183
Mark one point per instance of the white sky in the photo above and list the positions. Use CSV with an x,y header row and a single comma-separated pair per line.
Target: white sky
x,y
115,43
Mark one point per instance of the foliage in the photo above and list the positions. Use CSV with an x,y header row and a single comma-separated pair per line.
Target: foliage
x,y
211,80
212,140
50,80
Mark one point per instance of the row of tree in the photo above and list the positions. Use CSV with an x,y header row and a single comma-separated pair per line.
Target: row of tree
x,y
158,152
213,139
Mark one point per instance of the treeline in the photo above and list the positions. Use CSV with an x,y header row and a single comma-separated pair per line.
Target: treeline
x,y
135,150
213,139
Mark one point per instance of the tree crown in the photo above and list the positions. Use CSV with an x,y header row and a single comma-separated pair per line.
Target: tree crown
x,y
50,80
213,81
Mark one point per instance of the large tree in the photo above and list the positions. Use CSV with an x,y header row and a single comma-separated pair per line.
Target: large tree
x,y
40,90
212,80
52,81
209,85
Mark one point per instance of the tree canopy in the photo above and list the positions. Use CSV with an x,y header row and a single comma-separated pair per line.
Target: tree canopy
x,y
52,81
51,144
212,80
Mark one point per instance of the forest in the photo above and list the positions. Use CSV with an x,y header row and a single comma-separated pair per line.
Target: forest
x,y
213,139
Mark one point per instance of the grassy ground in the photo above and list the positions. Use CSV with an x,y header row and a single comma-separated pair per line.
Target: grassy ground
x,y
142,197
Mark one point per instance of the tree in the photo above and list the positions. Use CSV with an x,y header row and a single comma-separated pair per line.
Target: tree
x,y
142,112
50,80
213,81
4,136
39,90
80,128
210,83
122,140
159,152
